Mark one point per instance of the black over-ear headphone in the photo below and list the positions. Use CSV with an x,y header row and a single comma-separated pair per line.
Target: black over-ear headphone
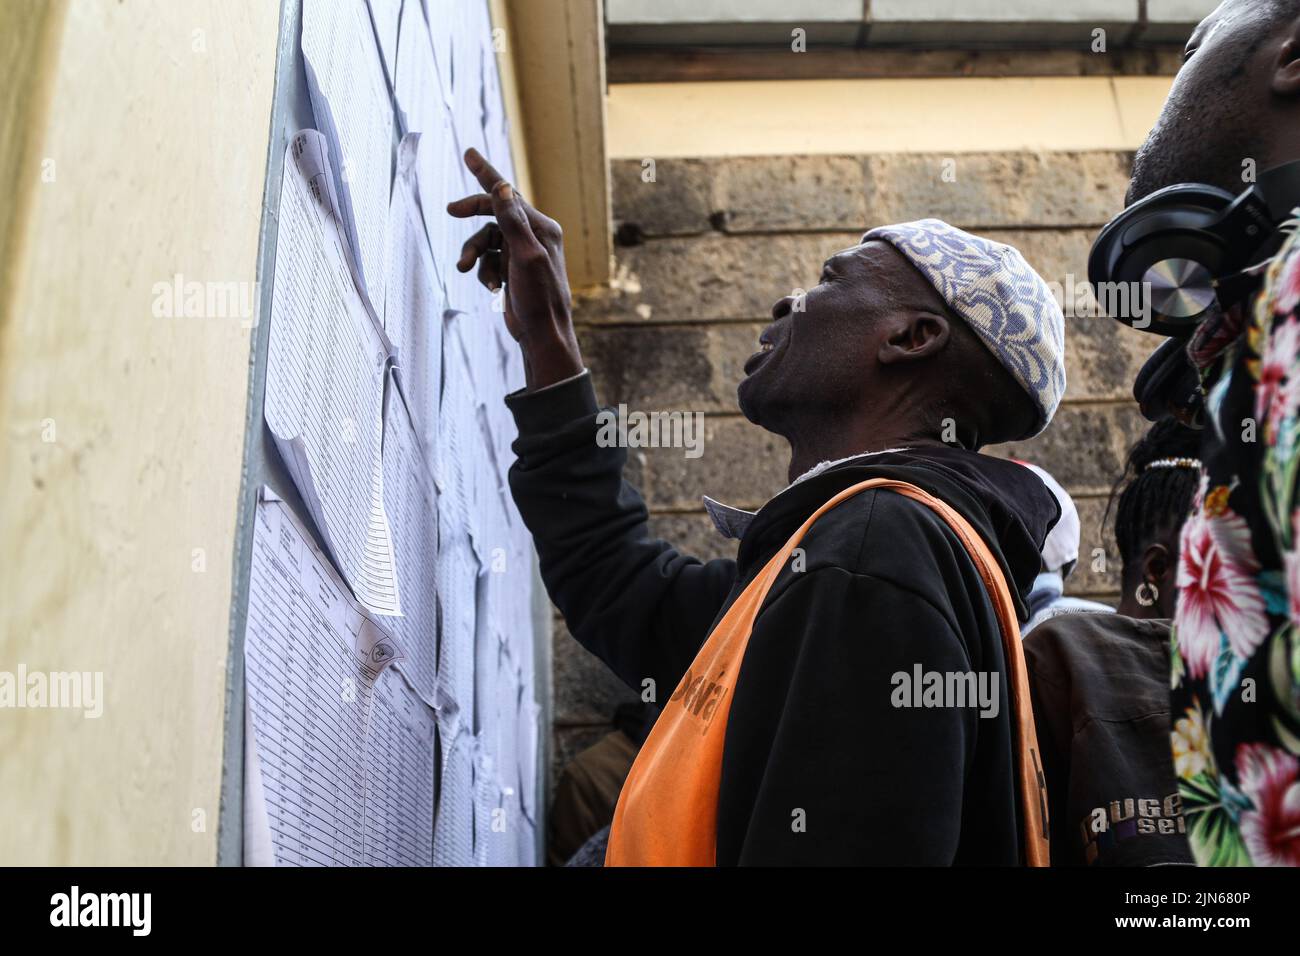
x,y
1169,256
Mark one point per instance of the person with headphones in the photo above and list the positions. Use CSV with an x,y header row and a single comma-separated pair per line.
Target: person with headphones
x,y
1214,249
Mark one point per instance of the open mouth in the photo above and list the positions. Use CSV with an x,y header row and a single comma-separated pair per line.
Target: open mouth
x,y
765,347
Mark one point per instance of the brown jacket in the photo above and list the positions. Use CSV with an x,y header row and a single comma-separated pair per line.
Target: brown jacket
x,y
587,793
1100,687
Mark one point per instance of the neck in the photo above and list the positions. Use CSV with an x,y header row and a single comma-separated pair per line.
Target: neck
x,y
810,447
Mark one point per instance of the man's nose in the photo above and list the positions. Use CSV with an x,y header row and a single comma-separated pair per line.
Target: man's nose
x,y
782,307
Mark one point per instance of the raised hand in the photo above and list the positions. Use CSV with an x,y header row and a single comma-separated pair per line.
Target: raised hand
x,y
523,250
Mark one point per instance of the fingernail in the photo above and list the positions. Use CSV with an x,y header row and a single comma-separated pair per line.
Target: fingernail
x,y
506,192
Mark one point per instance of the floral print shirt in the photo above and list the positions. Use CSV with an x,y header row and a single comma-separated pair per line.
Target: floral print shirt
x,y
1236,638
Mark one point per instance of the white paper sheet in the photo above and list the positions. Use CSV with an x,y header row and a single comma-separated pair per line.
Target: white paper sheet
x,y
499,825
526,843
312,655
519,831
259,847
457,583
501,542
399,776
386,14
325,380
468,63
458,562
480,471
496,128
444,18
506,732
441,179
459,437
487,654
489,814
453,837
350,99
416,82
415,302
441,176
410,501
529,714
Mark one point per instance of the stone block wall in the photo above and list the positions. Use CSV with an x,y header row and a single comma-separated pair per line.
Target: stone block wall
x,y
705,246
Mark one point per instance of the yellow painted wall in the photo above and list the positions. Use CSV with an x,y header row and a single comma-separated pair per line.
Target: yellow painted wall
x,y
156,126
962,114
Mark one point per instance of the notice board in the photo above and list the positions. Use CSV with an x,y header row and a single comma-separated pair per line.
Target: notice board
x,y
387,668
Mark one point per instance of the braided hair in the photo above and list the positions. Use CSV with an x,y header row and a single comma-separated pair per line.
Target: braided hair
x,y
1156,489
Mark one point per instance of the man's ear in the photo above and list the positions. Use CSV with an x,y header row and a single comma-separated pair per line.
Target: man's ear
x,y
1286,68
911,336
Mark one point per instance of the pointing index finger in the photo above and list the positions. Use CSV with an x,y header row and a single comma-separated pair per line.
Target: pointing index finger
x,y
483,171
510,214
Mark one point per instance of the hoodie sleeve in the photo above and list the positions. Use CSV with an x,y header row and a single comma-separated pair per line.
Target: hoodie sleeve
x,y
851,777
637,603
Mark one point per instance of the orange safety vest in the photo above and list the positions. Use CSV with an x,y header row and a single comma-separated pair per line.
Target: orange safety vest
x,y
667,813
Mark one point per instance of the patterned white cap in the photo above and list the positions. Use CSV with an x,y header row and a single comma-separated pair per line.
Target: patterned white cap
x,y
1000,296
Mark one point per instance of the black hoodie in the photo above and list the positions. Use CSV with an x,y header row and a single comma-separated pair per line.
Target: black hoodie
x,y
819,765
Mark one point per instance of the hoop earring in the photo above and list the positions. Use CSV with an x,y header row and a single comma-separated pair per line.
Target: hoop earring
x,y
1147,594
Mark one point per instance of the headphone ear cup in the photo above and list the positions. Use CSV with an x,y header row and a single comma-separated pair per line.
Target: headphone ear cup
x,y
1154,265
1168,385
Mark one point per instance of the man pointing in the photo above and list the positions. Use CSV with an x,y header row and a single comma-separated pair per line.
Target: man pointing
x,y
815,711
